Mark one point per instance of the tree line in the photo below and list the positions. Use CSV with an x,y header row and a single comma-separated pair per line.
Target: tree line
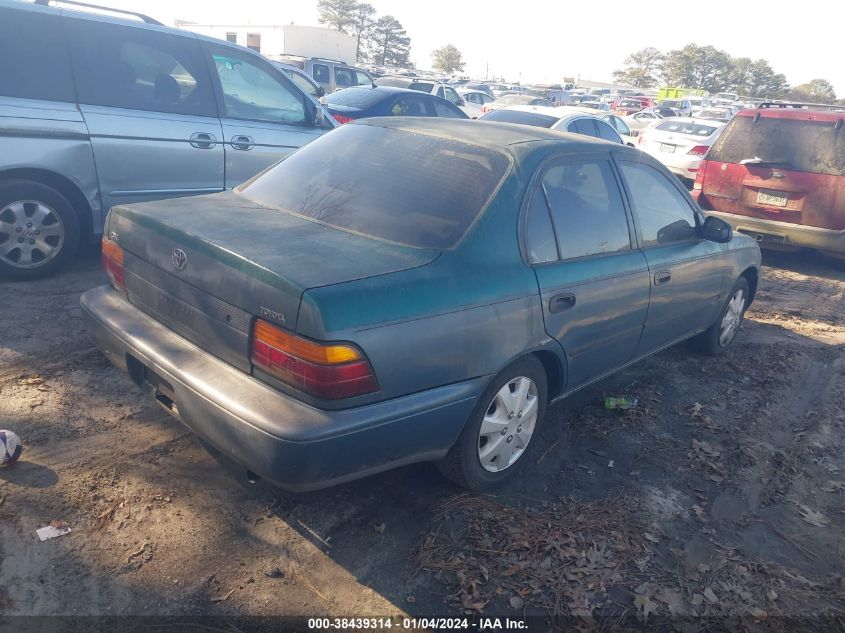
x,y
707,68
383,40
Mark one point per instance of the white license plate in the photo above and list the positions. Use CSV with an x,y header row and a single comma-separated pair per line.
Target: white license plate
x,y
773,198
668,147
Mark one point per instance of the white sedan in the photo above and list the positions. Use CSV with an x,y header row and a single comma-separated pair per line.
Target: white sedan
x,y
643,119
681,143
474,101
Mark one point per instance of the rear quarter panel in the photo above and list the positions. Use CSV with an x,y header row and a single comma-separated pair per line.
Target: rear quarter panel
x,y
52,137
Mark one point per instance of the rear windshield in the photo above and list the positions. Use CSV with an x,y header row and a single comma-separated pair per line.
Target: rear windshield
x,y
630,103
669,103
514,99
811,146
679,126
515,116
355,97
412,189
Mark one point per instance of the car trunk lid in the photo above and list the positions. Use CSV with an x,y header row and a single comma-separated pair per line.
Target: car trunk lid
x,y
206,266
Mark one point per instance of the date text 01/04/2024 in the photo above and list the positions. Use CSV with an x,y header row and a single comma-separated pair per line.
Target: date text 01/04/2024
x,y
479,624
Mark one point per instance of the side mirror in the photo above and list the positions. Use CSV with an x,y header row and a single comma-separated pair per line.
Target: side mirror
x,y
716,230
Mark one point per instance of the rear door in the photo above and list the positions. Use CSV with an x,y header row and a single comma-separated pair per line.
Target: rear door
x,y
593,282
147,99
794,169
687,274
264,115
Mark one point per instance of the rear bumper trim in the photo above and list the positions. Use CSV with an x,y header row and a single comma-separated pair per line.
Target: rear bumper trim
x,y
294,445
797,235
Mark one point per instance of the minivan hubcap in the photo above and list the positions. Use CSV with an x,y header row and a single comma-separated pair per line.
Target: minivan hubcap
x,y
31,234
508,425
732,319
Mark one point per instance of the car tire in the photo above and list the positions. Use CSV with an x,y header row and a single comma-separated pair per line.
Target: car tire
x,y
718,337
515,402
39,230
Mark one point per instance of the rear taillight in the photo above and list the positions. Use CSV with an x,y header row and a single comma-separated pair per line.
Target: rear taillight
x,y
698,150
485,108
325,370
342,119
113,262
699,176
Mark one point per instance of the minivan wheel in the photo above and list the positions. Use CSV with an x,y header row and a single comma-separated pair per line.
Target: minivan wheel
x,y
718,337
39,230
498,434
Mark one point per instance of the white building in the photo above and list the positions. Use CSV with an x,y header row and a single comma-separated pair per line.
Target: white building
x,y
288,39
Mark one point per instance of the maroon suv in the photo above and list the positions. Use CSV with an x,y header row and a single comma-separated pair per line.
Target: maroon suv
x,y
777,173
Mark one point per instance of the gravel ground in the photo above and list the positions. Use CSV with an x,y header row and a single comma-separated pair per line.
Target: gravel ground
x,y
723,493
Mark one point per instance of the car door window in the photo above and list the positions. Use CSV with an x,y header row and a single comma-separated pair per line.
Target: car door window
x,y
409,105
586,208
447,110
320,73
125,67
302,81
606,132
37,65
539,234
363,79
663,213
451,96
255,92
620,126
583,126
344,77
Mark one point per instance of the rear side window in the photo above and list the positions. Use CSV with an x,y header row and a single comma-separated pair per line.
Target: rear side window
x,y
664,215
408,188
125,67
587,210
810,146
606,132
410,105
35,58
320,72
539,234
446,109
583,126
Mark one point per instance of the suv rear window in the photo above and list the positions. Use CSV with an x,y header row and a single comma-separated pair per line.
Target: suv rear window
x,y
810,146
687,127
413,189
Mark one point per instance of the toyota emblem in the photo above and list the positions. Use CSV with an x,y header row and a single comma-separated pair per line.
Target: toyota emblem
x,y
179,259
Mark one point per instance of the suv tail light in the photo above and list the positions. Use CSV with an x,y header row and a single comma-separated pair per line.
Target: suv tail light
x,y
698,150
113,263
699,176
325,370
342,119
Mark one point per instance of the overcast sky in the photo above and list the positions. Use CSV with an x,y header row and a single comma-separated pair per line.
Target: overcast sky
x,y
544,40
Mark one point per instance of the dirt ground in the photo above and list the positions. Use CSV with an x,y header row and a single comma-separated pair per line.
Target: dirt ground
x,y
723,493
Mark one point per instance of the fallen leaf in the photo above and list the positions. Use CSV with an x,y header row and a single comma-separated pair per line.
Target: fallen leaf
x,y
833,486
812,517
772,595
380,528
651,537
697,599
645,604
711,597
517,602
671,599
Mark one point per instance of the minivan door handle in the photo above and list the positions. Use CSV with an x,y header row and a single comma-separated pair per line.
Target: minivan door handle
x,y
661,277
244,143
203,140
559,303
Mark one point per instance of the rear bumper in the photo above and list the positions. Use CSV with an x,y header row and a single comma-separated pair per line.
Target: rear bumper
x,y
784,234
683,165
293,445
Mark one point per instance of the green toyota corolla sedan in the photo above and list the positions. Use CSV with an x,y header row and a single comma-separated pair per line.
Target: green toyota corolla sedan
x,y
411,290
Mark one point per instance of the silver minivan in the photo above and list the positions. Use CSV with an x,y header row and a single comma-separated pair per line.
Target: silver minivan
x,y
98,110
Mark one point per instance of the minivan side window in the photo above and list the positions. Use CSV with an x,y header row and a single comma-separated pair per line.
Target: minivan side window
x,y
320,73
35,64
586,207
140,69
253,91
663,213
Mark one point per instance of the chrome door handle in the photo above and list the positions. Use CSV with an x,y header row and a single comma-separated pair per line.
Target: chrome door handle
x,y
203,140
244,143
662,277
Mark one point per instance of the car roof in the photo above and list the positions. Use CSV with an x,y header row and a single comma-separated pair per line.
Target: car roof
x,y
806,114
